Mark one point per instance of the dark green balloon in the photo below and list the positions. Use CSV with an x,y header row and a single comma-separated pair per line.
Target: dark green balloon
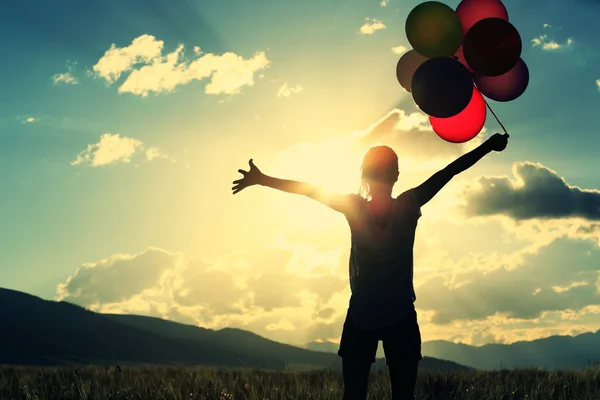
x,y
434,30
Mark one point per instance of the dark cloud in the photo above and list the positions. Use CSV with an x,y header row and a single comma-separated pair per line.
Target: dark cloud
x,y
561,276
535,192
589,229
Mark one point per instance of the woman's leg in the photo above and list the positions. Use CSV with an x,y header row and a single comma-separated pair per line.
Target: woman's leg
x,y
356,378
402,346
357,349
403,376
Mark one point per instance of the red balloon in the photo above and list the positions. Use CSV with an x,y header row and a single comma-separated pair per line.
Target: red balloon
x,y
505,87
472,11
460,56
465,125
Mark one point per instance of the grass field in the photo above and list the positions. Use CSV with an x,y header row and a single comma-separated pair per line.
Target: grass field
x,y
225,384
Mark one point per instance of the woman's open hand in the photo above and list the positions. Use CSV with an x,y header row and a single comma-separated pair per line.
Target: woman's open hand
x,y
250,177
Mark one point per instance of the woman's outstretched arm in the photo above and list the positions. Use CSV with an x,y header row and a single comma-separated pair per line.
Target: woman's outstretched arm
x,y
437,181
254,176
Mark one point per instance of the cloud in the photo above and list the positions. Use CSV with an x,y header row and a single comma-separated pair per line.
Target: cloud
x,y
413,136
113,149
287,91
562,276
484,335
270,288
66,78
30,119
545,42
301,283
154,153
384,3
116,278
150,71
371,26
598,84
284,325
117,60
399,49
535,192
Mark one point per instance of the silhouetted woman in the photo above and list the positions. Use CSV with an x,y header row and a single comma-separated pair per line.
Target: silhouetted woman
x,y
381,262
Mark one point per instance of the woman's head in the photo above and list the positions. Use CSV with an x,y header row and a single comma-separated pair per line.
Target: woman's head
x,y
379,170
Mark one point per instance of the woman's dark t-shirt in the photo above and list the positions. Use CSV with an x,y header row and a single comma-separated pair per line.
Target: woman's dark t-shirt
x,y
381,261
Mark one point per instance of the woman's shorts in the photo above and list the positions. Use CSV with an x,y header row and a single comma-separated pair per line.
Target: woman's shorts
x,y
401,341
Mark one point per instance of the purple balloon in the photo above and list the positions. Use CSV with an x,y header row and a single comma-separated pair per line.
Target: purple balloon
x,y
505,87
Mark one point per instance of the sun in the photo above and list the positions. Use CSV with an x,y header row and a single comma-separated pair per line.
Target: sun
x,y
333,164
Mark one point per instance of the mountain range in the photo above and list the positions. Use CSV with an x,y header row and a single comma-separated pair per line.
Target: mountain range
x,y
554,352
43,332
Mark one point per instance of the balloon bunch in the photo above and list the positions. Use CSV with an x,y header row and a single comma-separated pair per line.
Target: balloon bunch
x,y
457,58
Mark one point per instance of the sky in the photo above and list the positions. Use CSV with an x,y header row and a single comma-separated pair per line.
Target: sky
x,y
123,124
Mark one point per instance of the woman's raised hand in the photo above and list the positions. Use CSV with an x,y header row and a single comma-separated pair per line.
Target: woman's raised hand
x,y
250,177
498,142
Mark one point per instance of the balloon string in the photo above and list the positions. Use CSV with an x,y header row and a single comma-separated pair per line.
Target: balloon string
x,y
494,114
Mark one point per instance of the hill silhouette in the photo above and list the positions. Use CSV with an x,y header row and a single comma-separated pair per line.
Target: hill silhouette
x,y
554,352
42,332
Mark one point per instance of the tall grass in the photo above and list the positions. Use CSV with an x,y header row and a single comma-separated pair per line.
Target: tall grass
x,y
156,383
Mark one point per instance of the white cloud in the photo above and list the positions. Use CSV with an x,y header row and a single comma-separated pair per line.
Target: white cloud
x,y
66,78
511,285
284,325
296,290
113,149
598,83
28,119
371,26
231,72
545,42
117,60
153,72
286,91
154,153
272,290
399,49
384,3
